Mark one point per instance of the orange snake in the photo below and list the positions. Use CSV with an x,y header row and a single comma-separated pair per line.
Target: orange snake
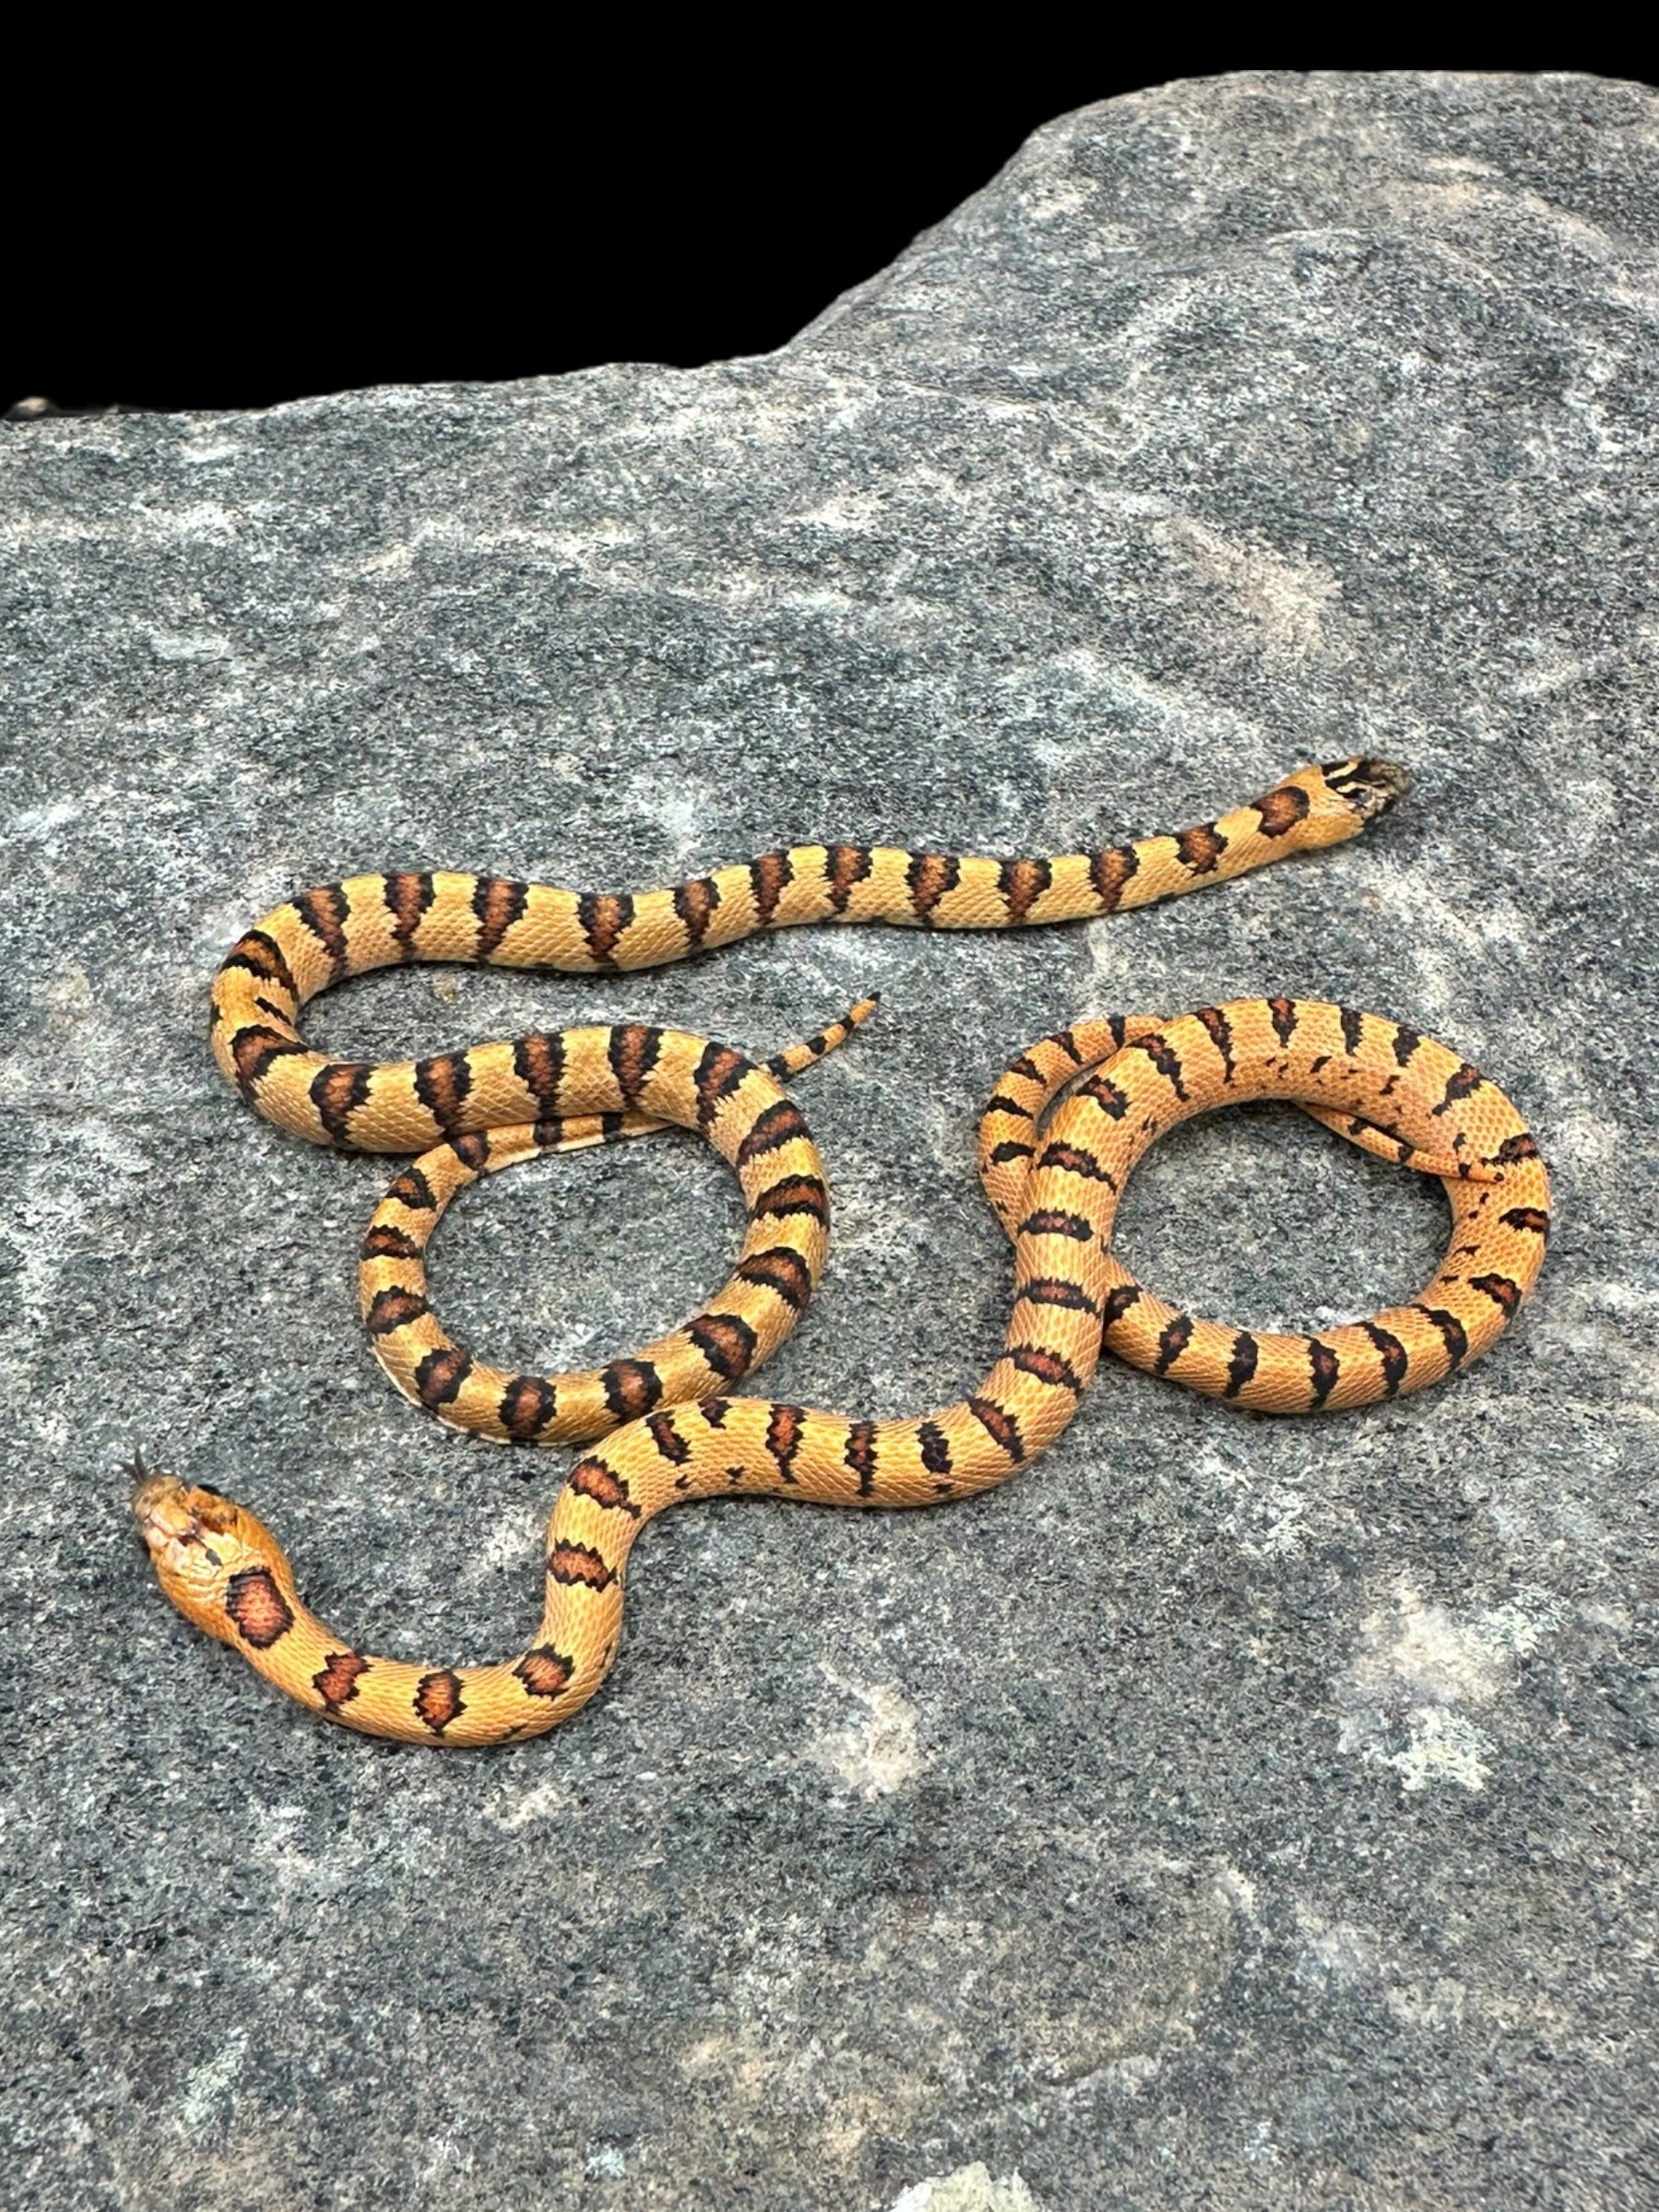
x,y
1053,1166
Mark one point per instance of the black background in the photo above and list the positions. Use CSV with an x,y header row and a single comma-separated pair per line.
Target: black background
x,y
218,229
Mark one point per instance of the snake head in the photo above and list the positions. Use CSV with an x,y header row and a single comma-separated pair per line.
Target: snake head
x,y
1370,788
1319,806
200,1544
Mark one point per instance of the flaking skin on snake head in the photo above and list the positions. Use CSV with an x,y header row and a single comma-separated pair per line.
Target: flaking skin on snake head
x,y
217,1561
1369,786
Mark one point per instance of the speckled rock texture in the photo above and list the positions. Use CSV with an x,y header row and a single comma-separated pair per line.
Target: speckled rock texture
x,y
1227,1813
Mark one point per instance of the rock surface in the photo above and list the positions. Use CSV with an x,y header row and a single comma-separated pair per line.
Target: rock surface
x,y
1227,1813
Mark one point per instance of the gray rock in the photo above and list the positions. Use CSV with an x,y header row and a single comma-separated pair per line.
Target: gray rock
x,y
1227,1813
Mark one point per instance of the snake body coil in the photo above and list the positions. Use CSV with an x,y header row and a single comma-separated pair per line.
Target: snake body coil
x,y
670,1428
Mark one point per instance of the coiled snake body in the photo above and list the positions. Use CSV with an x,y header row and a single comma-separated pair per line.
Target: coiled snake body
x,y
670,1428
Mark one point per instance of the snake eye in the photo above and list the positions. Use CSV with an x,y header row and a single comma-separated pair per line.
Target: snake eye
x,y
212,1488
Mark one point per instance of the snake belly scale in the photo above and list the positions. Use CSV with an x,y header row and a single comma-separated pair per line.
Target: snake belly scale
x,y
1068,1121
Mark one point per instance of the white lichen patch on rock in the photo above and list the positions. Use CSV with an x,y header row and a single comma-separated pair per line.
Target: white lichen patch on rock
x,y
202,2107
1264,1516
1284,602
874,1751
1333,1953
510,1538
968,2188
1418,1668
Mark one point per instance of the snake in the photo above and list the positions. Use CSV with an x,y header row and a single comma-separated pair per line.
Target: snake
x,y
1068,1120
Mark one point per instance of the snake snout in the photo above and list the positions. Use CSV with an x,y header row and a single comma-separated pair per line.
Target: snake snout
x,y
162,1508
1370,787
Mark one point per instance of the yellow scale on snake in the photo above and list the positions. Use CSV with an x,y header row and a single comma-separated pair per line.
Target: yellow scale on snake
x,y
1069,1118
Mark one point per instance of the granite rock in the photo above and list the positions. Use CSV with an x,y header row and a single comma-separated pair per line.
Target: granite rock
x,y
1228,1813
